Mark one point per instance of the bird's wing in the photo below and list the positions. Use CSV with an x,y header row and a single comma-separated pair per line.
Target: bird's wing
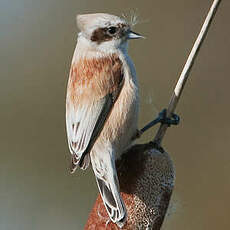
x,y
93,87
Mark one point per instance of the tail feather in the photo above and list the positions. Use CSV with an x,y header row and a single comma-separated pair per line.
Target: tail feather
x,y
109,190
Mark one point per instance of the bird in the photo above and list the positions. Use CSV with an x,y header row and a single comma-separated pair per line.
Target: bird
x,y
102,103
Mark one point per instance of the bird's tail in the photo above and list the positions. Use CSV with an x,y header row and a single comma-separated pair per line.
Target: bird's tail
x,y
112,201
109,189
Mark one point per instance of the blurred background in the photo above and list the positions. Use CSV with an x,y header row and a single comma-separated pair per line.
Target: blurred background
x,y
37,39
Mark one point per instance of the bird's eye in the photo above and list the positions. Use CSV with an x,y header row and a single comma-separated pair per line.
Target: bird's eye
x,y
112,30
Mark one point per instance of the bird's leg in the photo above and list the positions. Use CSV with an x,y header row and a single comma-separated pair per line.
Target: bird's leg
x,y
163,119
137,135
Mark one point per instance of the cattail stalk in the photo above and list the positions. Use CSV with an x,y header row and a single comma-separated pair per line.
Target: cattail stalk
x,y
186,70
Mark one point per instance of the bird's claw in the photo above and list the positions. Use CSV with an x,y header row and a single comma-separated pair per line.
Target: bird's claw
x,y
163,119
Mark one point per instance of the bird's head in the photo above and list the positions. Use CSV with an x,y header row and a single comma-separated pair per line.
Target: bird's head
x,y
105,31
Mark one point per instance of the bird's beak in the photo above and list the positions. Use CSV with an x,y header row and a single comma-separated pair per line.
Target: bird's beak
x,y
133,35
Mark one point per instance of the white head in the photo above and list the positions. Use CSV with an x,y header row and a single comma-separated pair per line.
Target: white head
x,y
105,32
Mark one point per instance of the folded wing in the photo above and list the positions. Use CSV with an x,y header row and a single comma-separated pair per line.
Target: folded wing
x,y
93,87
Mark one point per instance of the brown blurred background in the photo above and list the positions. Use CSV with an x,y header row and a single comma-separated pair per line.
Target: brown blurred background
x,y
37,39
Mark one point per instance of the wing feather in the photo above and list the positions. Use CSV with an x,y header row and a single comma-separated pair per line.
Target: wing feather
x,y
93,87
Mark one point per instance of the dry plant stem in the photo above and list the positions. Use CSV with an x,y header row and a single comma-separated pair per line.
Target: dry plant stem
x,y
186,70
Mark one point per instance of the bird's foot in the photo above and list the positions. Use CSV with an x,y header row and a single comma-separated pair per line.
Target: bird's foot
x,y
163,119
